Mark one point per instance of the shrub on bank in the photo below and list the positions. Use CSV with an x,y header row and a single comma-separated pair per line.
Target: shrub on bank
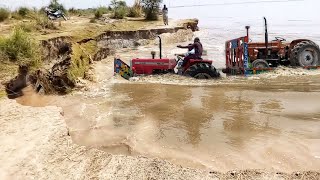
x,y
21,48
55,5
23,11
134,11
4,14
119,13
82,12
43,22
100,11
151,9
119,8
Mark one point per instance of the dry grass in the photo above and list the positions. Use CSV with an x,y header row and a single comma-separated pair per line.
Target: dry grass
x,y
81,59
20,48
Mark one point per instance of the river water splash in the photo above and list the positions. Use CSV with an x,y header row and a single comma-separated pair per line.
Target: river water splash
x,y
269,121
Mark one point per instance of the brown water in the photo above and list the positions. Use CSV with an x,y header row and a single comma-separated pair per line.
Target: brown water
x,y
260,124
271,121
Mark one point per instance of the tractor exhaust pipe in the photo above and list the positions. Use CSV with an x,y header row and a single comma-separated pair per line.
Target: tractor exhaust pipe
x,y
247,28
266,35
160,47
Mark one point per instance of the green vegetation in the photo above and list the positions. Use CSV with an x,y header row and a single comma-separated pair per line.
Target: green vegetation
x,y
20,48
120,9
151,9
134,11
23,11
55,5
4,14
119,13
42,22
81,12
100,11
20,39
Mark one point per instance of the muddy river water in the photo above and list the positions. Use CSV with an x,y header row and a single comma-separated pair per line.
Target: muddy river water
x,y
270,121
267,122
271,124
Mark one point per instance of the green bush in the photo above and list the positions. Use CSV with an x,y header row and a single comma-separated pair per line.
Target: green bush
x,y
23,11
81,12
151,9
119,9
119,13
4,14
117,4
15,15
42,22
134,11
27,26
21,48
55,5
100,11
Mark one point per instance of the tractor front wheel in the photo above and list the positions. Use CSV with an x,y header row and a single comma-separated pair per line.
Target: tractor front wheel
x,y
260,63
305,53
202,71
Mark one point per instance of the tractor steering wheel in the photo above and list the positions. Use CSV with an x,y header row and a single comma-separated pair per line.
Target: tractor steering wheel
x,y
280,39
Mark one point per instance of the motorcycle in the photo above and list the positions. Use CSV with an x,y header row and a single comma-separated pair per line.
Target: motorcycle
x,y
53,15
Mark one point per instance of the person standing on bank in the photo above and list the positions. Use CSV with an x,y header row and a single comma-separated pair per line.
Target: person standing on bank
x,y
165,15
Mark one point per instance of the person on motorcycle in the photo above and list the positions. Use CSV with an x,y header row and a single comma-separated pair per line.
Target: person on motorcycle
x,y
198,49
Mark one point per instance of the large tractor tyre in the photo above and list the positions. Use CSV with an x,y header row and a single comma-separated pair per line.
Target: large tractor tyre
x,y
305,53
202,71
260,63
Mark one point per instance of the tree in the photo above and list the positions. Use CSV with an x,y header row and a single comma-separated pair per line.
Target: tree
x,y
115,4
151,8
54,4
119,9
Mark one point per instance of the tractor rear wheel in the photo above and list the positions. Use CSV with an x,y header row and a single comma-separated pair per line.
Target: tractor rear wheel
x,y
260,63
202,71
305,53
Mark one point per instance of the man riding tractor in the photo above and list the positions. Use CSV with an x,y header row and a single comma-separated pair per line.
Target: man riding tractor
x,y
198,49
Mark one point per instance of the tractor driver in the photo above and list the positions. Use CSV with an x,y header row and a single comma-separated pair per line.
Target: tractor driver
x,y
197,46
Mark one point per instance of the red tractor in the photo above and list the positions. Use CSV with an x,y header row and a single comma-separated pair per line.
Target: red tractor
x,y
244,57
196,68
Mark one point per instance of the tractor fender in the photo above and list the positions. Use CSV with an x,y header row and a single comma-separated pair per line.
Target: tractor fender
x,y
295,42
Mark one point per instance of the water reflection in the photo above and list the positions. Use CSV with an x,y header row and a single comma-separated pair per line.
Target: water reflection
x,y
228,124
